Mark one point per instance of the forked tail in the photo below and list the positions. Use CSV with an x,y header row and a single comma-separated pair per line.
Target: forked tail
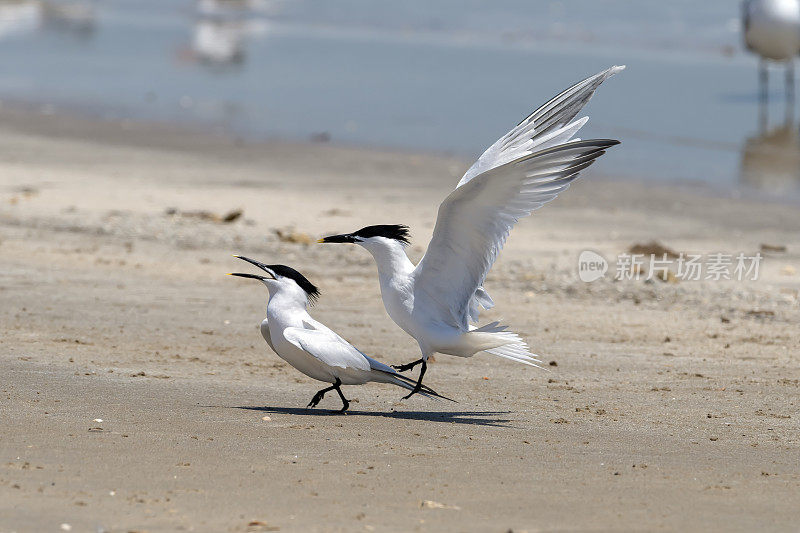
x,y
503,343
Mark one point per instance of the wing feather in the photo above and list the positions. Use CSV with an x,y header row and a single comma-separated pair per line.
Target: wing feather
x,y
475,220
548,126
523,170
328,347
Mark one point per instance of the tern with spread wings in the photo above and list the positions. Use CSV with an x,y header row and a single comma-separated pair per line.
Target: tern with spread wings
x,y
437,301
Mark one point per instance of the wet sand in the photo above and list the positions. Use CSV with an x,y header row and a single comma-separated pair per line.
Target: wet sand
x,y
664,405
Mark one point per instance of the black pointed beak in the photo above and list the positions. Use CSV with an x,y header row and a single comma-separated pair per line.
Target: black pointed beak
x,y
251,276
259,264
346,237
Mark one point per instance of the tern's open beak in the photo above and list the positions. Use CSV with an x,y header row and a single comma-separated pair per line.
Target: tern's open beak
x,y
346,237
251,276
259,264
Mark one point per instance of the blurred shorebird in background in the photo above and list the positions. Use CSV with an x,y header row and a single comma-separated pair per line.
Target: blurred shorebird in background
x,y
771,29
308,345
222,31
77,18
437,301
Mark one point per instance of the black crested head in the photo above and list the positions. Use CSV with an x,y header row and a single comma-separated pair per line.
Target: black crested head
x,y
288,272
397,232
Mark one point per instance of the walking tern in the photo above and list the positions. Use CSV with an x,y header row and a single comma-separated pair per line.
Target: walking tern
x,y
437,301
308,345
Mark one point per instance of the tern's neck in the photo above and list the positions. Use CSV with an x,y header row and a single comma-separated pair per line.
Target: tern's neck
x,y
391,258
284,302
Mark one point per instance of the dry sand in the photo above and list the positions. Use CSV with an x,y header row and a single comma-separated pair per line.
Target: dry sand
x,y
673,406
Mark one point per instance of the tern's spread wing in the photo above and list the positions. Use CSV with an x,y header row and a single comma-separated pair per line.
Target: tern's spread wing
x,y
521,172
328,347
548,126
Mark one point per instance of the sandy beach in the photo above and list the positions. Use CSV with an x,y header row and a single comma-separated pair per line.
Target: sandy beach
x,y
138,395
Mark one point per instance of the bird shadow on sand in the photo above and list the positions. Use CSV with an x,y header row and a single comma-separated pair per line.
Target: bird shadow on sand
x,y
474,418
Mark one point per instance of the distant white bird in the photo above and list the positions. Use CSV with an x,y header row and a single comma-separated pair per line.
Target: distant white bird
x,y
219,41
437,300
308,345
772,30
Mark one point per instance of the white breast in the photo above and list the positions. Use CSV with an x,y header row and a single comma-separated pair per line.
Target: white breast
x,y
398,299
774,28
265,333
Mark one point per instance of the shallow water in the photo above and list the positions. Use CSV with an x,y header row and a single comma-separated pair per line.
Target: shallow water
x,y
445,76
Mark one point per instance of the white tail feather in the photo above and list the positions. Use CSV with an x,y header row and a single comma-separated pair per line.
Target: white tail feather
x,y
511,345
516,352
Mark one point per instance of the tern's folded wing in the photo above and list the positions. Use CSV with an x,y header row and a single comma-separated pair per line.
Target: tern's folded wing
x,y
327,347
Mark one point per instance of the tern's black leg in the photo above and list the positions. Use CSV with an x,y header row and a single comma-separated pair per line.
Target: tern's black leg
x,y
321,394
408,366
345,403
418,386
